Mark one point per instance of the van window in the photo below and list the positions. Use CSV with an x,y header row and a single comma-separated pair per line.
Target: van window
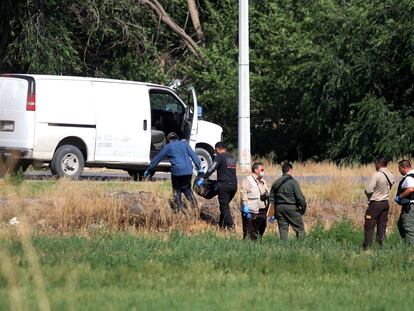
x,y
165,102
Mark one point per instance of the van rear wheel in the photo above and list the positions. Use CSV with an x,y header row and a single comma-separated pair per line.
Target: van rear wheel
x,y
68,161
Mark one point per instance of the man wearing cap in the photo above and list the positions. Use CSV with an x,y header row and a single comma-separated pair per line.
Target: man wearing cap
x,y
378,193
225,164
289,202
180,155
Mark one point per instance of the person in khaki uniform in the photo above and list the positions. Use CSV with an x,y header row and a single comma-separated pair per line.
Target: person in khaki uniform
x,y
254,201
289,203
378,194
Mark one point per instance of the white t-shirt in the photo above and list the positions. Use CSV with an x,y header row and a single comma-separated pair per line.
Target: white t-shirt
x,y
409,181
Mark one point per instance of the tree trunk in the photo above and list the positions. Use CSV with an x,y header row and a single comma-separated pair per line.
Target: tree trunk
x,y
157,8
192,7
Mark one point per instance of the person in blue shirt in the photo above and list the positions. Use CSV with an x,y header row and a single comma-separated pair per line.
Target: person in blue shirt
x,y
181,157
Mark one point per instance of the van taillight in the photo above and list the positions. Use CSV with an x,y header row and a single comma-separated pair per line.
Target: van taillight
x,y
31,97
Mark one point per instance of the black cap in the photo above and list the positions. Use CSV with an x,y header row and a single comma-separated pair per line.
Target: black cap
x,y
220,145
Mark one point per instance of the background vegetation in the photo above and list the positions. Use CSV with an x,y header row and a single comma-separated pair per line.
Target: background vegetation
x,y
330,79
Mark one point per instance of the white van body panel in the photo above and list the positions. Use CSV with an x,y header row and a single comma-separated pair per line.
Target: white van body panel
x,y
49,136
63,106
65,102
13,98
123,122
208,133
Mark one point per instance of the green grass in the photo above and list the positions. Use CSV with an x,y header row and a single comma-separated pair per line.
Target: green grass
x,y
208,271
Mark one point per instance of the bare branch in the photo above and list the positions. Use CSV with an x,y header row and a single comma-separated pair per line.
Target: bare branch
x,y
192,7
157,8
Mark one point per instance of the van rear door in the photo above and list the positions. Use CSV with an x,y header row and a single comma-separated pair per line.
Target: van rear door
x,y
17,112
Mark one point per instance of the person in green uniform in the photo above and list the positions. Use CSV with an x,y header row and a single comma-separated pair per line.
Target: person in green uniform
x,y
289,203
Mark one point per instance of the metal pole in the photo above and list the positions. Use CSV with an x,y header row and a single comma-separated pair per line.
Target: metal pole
x,y
244,87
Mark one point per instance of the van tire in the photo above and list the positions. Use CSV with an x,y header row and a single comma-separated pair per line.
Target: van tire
x,y
68,161
205,157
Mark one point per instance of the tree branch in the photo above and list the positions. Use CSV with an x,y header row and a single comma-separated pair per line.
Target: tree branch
x,y
157,8
192,7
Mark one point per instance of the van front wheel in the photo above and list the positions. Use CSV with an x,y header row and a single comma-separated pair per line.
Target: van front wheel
x,y
205,158
67,162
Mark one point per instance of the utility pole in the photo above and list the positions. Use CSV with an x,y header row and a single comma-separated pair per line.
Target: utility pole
x,y
244,87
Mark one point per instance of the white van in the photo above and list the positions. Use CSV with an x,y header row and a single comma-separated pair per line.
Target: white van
x,y
75,122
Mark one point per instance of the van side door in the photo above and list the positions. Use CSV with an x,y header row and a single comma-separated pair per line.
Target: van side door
x,y
123,122
167,115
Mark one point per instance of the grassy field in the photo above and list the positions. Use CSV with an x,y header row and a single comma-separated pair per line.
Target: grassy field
x,y
84,245
206,271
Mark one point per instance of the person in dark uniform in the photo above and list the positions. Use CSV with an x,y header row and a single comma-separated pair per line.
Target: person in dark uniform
x,y
180,155
225,164
289,203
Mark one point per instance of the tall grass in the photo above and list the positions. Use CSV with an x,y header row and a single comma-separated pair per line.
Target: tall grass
x,y
81,206
325,168
81,245
206,271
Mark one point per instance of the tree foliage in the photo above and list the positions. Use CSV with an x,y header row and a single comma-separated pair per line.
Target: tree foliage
x,y
330,79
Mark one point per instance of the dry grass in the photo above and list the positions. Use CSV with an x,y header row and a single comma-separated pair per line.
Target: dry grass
x,y
87,206
325,168
84,206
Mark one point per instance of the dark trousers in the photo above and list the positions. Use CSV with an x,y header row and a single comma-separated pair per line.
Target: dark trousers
x,y
226,192
289,215
376,216
182,184
255,226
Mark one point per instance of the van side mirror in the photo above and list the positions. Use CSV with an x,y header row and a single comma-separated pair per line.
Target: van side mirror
x,y
199,111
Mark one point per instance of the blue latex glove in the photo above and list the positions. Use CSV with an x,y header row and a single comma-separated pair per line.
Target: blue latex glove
x,y
271,220
246,212
199,182
146,173
397,199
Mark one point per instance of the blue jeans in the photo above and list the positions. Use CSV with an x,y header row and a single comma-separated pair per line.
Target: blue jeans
x,y
182,184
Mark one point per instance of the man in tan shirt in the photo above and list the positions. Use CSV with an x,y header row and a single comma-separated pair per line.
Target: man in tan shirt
x,y
378,193
254,197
